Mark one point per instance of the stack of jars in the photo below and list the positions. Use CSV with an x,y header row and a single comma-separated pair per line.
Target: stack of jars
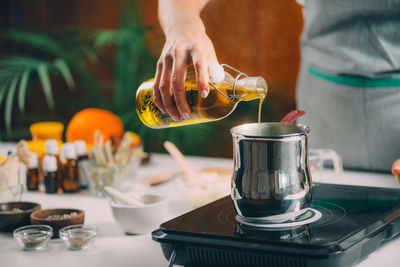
x,y
62,171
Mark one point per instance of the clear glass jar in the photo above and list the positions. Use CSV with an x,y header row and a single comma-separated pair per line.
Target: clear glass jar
x,y
116,176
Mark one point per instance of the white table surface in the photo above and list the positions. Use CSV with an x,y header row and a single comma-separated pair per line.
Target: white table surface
x,y
116,249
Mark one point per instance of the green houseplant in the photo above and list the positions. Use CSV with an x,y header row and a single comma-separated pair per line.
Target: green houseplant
x,y
49,54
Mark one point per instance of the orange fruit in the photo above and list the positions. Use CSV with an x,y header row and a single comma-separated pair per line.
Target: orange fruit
x,y
86,122
136,140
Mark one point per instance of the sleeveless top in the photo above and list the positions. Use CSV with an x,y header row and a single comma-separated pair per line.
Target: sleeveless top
x,y
352,37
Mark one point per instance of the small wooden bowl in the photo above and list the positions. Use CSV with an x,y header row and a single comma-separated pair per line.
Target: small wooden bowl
x,y
11,221
40,217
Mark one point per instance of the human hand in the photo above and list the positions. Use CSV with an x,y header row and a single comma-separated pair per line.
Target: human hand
x,y
186,44
396,169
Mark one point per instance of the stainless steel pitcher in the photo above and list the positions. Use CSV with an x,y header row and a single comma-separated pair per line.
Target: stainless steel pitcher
x,y
271,180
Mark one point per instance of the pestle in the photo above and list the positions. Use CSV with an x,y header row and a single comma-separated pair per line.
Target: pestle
x,y
122,198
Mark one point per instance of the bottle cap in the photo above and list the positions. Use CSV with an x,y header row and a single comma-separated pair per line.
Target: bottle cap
x,y
49,163
80,147
51,147
68,151
216,72
33,161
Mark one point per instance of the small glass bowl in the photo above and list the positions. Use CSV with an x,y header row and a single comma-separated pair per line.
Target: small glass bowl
x,y
33,237
79,236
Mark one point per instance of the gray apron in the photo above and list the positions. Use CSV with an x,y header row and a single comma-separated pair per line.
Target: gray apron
x,y
349,81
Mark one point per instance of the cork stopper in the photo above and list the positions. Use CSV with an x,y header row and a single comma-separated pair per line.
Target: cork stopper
x,y
216,72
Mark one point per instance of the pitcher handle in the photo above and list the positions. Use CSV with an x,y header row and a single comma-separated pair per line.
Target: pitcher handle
x,y
325,155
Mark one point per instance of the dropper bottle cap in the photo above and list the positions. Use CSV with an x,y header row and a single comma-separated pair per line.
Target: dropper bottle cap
x,y
49,163
69,151
80,147
33,161
51,147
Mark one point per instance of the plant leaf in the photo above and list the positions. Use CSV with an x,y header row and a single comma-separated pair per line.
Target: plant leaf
x,y
103,38
38,40
65,72
43,74
12,63
3,90
22,89
90,53
9,103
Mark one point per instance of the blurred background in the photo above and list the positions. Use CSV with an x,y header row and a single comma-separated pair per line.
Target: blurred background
x,y
59,57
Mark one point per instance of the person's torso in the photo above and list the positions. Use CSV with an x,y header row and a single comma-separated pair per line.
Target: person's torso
x,y
353,37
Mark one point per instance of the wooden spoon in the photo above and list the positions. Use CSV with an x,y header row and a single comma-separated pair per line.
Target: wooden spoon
x,y
191,174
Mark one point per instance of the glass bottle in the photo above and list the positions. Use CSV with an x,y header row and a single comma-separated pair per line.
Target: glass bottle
x,y
224,94
51,149
69,169
50,172
83,162
32,173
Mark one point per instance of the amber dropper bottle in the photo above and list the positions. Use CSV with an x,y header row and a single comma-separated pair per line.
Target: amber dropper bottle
x,y
83,162
69,169
51,149
50,174
32,173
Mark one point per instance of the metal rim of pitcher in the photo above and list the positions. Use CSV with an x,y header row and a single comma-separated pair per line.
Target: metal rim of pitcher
x,y
250,130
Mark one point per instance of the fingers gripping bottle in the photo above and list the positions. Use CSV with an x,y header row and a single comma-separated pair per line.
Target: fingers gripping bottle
x,y
225,92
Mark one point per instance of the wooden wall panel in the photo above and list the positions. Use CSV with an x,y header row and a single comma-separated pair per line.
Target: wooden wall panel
x,y
260,38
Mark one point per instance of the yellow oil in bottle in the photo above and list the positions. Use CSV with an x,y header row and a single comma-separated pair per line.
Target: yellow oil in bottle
x,y
214,107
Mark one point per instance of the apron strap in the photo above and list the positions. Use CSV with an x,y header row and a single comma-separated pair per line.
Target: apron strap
x,y
360,82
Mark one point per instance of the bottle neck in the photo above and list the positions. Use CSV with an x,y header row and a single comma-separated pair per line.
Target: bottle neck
x,y
250,88
247,88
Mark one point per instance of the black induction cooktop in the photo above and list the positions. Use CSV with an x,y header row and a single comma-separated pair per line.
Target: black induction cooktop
x,y
355,221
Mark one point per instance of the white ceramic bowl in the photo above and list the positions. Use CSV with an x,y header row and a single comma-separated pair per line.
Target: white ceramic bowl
x,y
142,219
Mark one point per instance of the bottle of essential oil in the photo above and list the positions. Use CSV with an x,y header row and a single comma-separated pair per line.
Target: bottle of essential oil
x,y
51,149
83,162
69,169
50,173
32,173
